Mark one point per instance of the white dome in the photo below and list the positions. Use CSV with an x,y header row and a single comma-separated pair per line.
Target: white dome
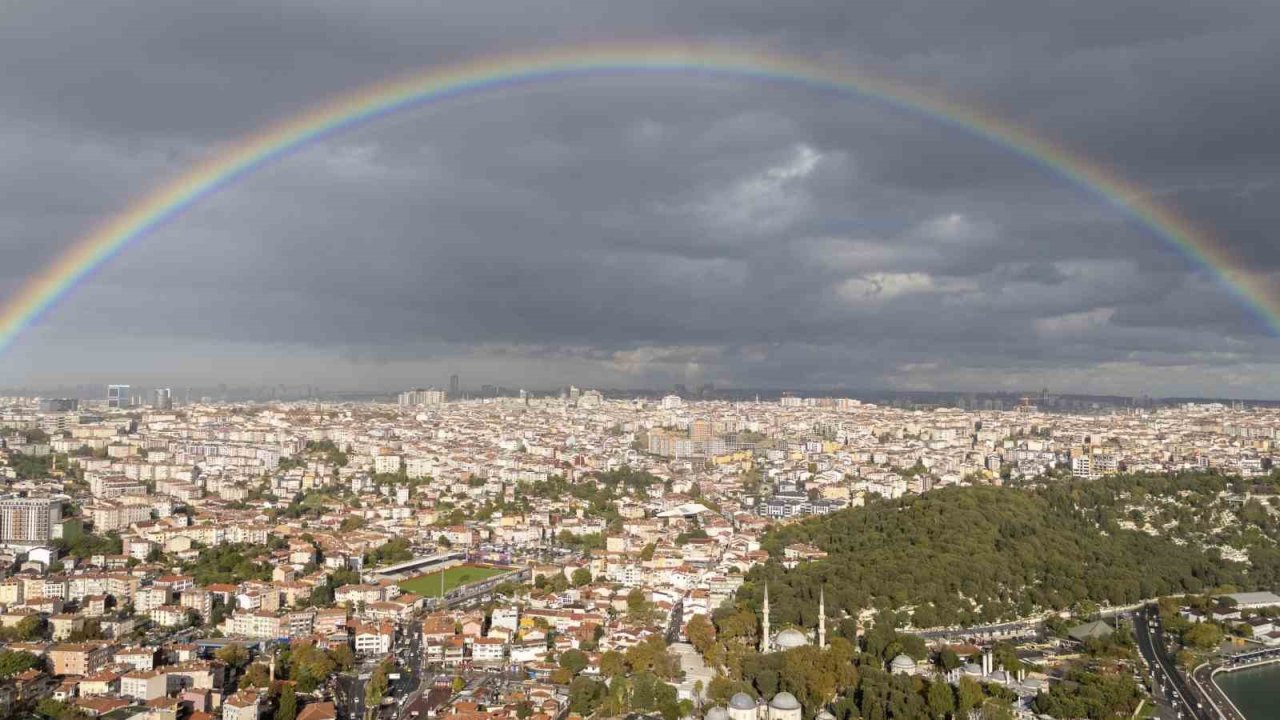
x,y
972,669
717,713
784,701
825,715
791,638
903,662
742,701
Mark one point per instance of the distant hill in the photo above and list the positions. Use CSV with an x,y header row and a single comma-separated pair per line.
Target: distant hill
x,y
981,554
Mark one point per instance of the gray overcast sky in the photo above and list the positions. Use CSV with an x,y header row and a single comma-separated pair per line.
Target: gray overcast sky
x,y
640,231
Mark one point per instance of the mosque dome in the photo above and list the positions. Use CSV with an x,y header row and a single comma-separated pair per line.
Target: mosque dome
x,y
903,662
825,715
784,701
972,670
790,638
742,701
1000,676
717,713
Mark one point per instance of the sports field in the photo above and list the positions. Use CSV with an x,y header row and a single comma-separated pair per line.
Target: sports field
x,y
429,585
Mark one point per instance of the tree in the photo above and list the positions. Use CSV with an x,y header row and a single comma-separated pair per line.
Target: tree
x,y
376,688
309,666
459,684
612,664
342,657
997,710
287,707
57,710
736,623
650,655
257,676
702,634
1202,636
940,700
650,694
32,628
948,659
639,609
616,698
990,541
13,662
968,696
585,695
573,660
581,576
721,688
234,655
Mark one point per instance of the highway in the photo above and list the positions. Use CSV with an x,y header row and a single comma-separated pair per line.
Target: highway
x,y
1170,685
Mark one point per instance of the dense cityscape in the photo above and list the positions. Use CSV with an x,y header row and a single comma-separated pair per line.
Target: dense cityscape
x,y
518,557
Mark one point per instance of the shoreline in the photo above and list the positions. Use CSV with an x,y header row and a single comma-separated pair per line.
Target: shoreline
x,y
1213,674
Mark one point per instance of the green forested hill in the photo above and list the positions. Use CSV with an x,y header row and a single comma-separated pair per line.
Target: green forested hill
x,y
981,554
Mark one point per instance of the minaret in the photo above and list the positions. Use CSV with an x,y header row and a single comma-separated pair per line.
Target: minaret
x,y
822,617
764,623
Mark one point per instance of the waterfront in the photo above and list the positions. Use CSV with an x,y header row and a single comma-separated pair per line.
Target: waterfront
x,y
1255,691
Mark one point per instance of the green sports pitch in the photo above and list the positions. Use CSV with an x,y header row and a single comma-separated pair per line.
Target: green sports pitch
x,y
429,585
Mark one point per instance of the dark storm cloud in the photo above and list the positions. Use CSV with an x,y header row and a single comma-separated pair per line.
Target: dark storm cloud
x,y
649,229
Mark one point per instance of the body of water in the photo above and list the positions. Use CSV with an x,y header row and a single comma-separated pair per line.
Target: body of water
x,y
1256,691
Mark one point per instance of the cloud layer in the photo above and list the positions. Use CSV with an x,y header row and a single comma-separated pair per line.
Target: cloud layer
x,y
635,230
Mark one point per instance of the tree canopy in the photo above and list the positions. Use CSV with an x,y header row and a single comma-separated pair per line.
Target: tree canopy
x,y
962,556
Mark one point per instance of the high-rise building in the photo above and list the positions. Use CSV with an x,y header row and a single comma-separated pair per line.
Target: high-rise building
x,y
28,521
420,396
117,396
701,430
455,385
51,405
163,399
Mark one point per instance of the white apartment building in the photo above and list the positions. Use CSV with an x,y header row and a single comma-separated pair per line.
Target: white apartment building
x,y
28,521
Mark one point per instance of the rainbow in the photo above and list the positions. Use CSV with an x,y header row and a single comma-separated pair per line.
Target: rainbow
x,y
43,291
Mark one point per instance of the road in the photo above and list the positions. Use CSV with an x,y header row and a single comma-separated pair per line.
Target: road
x,y
1203,677
349,689
1170,685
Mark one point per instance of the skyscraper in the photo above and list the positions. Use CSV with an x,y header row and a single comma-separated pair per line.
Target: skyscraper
x,y
163,399
455,385
117,396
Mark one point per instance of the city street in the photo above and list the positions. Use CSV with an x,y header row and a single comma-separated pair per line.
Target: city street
x,y
1177,697
405,681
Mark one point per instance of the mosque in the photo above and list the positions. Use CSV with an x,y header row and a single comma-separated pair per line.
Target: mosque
x,y
791,638
784,705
